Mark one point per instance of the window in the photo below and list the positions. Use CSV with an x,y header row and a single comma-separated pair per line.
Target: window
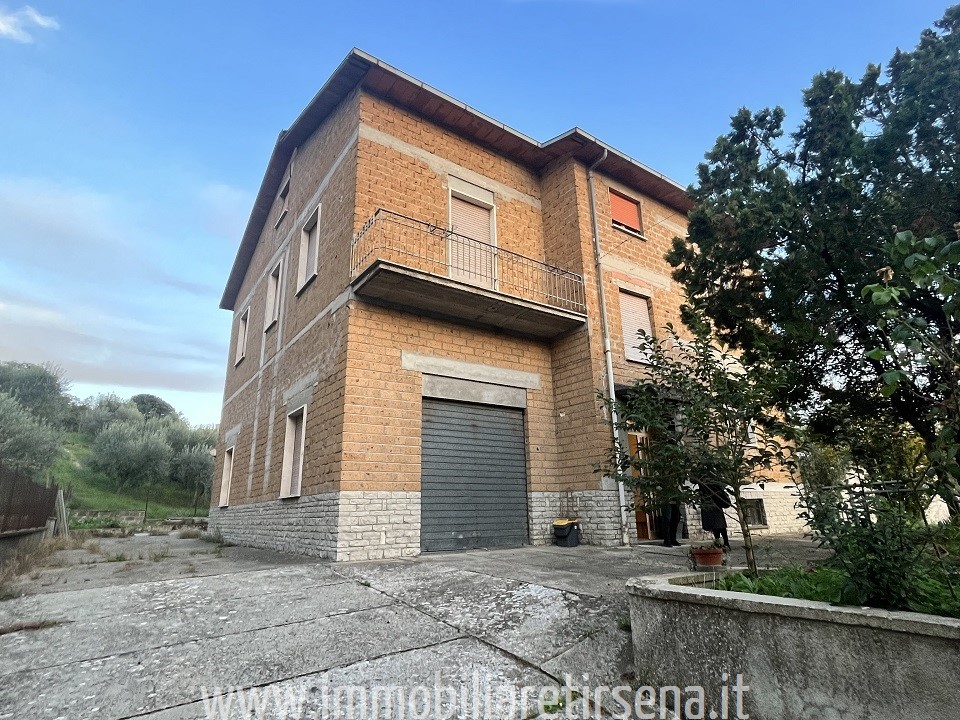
x,y
472,251
625,213
309,238
634,317
293,453
284,198
242,336
273,297
226,478
754,512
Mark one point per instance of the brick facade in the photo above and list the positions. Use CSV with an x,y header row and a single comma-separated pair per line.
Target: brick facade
x,y
341,356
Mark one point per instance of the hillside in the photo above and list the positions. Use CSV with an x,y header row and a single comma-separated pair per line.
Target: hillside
x,y
93,491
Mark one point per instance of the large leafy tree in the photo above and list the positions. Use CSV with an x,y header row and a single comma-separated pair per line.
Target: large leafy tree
x,y
27,443
40,389
152,406
790,228
132,454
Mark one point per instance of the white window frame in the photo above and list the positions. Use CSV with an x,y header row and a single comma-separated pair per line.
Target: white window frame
x,y
284,197
243,328
274,296
226,477
289,446
627,348
306,274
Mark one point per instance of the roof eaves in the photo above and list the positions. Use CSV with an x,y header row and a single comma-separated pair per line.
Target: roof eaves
x,y
348,75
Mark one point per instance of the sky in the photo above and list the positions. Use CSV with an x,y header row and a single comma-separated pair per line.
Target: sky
x,y
134,135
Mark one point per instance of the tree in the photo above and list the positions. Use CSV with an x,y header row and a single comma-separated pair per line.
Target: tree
x,y
789,230
132,454
106,409
181,435
152,406
923,351
193,468
40,389
706,420
26,443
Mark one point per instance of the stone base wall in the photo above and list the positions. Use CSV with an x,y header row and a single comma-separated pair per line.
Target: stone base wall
x,y
779,504
378,525
368,525
303,526
598,510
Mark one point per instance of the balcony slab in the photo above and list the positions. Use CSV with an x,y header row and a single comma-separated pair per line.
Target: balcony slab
x,y
394,285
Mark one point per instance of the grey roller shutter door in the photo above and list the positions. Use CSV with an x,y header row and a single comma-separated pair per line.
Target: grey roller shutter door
x,y
474,476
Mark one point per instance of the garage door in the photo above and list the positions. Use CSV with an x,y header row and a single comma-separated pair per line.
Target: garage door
x,y
474,476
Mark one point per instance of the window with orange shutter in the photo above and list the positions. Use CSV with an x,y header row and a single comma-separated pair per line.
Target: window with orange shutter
x,y
625,212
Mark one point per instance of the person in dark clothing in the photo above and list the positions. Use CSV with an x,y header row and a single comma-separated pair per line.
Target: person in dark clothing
x,y
714,499
670,520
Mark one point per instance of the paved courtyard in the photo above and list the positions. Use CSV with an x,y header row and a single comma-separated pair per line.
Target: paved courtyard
x,y
163,627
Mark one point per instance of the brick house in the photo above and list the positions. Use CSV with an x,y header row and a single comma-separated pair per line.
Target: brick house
x,y
420,317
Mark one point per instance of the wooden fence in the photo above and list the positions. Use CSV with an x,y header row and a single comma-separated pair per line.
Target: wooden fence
x,y
24,504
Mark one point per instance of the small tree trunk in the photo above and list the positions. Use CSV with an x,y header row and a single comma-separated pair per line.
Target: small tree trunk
x,y
745,529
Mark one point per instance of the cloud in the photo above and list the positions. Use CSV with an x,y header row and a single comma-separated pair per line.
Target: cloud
x,y
120,289
95,237
15,25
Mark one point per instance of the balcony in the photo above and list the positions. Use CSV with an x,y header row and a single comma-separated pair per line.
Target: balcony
x,y
401,262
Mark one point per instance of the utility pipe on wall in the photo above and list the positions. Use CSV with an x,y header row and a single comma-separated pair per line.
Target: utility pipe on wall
x,y
605,332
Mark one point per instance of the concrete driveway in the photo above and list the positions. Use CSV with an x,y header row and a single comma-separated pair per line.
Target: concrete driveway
x,y
163,627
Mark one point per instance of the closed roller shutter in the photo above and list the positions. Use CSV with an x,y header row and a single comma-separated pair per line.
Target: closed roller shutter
x,y
634,317
474,480
625,211
472,256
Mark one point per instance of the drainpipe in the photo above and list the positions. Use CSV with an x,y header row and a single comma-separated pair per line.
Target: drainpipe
x,y
605,332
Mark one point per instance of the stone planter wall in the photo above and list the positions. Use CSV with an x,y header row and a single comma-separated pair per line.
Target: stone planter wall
x,y
800,659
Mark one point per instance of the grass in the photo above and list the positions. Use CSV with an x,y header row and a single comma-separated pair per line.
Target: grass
x,y
823,584
827,584
93,491
24,561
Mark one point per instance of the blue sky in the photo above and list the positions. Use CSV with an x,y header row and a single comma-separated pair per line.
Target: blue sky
x,y
133,135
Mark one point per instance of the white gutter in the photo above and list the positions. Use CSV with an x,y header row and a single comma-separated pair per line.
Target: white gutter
x,y
607,353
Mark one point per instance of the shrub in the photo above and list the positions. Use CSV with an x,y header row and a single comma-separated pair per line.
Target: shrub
x,y
26,443
132,454
890,558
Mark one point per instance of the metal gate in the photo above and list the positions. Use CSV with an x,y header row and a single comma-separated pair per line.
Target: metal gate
x,y
473,490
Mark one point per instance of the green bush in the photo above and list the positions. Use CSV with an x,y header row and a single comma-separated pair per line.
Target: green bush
x,y
132,454
931,592
26,444
97,523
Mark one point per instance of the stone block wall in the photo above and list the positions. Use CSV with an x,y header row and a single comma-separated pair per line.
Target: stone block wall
x,y
300,526
780,506
598,510
378,525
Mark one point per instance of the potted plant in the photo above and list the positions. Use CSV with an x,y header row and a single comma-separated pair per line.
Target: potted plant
x,y
711,555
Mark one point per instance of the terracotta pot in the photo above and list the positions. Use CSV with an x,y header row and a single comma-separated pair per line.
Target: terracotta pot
x,y
712,557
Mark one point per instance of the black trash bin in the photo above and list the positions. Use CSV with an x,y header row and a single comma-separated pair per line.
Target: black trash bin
x,y
566,532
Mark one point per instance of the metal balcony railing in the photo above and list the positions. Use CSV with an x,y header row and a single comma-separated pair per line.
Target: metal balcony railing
x,y
423,246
